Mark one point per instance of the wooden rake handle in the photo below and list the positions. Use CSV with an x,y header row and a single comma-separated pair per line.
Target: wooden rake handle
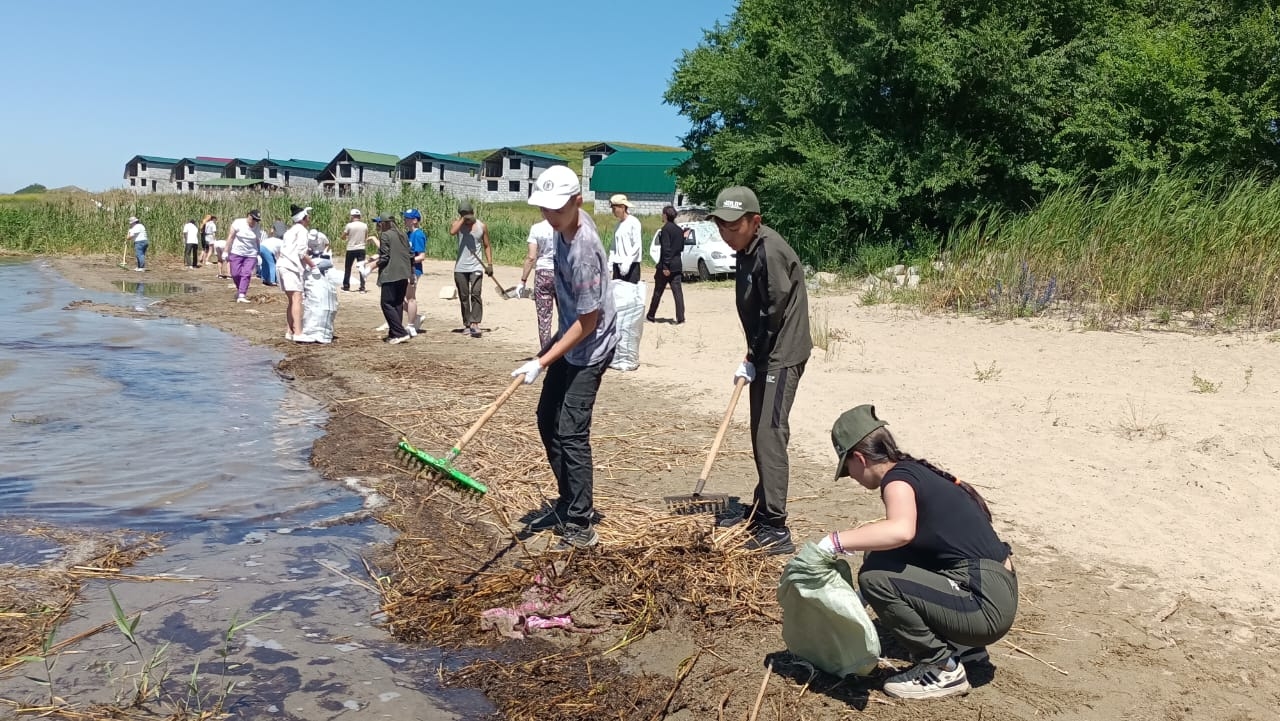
x,y
488,413
715,445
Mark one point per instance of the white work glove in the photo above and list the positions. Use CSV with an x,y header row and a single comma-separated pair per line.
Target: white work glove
x,y
530,371
746,370
520,290
827,544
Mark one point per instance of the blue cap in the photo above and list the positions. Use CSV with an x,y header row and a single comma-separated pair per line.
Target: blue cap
x,y
412,214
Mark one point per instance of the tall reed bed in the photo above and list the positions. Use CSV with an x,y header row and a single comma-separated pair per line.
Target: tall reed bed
x,y
1175,244
96,224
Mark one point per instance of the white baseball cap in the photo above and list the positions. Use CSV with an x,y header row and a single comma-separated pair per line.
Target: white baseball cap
x,y
355,212
554,187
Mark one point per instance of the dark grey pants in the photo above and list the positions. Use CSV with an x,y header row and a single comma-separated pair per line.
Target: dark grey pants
x,y
564,421
469,285
393,293
660,283
772,394
933,612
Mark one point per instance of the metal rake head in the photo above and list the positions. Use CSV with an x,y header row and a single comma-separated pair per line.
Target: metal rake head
x,y
697,503
438,469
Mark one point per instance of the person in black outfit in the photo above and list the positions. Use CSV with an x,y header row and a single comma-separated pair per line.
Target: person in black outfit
x,y
935,571
670,269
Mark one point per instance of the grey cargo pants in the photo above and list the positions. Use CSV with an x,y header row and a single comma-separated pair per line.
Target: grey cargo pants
x,y
972,603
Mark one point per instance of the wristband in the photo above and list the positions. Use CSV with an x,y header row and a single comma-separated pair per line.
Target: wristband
x,y
835,543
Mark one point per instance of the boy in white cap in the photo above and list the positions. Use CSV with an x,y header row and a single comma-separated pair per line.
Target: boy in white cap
x,y
356,233
576,358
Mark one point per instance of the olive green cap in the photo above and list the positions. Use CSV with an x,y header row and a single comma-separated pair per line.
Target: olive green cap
x,y
732,203
852,426
465,208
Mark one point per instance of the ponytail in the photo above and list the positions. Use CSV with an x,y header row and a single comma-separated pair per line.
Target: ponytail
x,y
880,446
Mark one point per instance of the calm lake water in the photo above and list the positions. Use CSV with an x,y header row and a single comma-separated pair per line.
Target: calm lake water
x,y
155,424
145,423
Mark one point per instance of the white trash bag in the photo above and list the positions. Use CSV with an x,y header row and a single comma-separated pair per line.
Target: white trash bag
x,y
319,304
628,302
823,617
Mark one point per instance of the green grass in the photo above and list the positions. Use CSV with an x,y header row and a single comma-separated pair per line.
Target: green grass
x,y
73,224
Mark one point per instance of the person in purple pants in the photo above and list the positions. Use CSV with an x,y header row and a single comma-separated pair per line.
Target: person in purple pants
x,y
244,241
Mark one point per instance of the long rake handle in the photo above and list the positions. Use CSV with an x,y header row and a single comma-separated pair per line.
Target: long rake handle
x,y
484,417
715,445
494,277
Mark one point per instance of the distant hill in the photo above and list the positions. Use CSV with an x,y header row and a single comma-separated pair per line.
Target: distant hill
x,y
69,189
570,151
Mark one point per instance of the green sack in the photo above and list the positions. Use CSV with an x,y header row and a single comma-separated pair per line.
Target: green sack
x,y
823,618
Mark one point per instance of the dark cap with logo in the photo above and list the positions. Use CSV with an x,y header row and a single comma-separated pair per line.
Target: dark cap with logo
x,y
850,428
733,203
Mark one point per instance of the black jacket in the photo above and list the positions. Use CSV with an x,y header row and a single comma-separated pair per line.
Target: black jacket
x,y
671,242
773,303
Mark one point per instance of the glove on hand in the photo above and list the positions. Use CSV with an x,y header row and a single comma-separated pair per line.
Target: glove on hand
x,y
488,269
746,370
827,544
530,371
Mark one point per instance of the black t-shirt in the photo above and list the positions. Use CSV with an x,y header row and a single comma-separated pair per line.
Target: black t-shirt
x,y
950,526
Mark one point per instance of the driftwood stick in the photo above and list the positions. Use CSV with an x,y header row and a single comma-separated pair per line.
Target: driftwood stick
x,y
1028,654
684,671
764,683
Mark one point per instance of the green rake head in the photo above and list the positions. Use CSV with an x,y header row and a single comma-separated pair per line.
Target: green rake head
x,y
421,459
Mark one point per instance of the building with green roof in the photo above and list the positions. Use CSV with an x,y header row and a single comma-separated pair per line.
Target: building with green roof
x,y
352,172
646,177
450,175
190,172
300,176
508,173
150,174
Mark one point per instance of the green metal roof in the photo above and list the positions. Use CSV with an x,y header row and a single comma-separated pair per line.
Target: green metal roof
x,y
157,159
293,163
637,171
536,154
201,164
367,158
230,182
443,158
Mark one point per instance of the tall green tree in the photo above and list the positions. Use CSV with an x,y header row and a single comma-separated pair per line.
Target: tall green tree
x,y
894,119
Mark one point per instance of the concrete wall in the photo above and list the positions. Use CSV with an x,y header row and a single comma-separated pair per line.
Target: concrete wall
x,y
642,203
155,178
513,184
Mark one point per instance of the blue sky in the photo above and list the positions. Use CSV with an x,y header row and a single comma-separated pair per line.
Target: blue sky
x,y
90,83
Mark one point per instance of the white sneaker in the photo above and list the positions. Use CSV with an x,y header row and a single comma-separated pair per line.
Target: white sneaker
x,y
288,336
398,341
383,328
411,330
242,299
928,680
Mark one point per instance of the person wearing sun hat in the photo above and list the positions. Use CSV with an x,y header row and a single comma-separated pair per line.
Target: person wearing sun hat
x,y
137,234
294,257
625,255
773,307
575,358
243,243
935,572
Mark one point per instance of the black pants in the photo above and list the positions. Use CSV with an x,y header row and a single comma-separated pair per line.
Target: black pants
x,y
564,421
469,285
632,276
191,254
772,393
660,283
353,256
392,297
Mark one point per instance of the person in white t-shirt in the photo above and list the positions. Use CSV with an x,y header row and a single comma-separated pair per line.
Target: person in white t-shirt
x,y
208,237
541,260
294,258
625,256
243,240
356,233
138,235
190,244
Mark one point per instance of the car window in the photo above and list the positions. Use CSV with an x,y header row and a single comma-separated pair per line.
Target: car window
x,y
690,237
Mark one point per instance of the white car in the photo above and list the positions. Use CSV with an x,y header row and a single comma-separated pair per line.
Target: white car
x,y
704,252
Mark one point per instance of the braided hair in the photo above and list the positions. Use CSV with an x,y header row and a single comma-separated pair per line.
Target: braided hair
x,y
879,446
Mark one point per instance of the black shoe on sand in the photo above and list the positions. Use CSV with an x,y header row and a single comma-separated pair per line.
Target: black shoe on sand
x,y
773,541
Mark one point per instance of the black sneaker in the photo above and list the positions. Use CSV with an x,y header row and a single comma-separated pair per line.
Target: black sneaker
x,y
730,521
576,536
773,541
550,520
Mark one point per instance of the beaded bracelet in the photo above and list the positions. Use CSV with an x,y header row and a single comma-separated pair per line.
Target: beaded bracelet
x,y
835,543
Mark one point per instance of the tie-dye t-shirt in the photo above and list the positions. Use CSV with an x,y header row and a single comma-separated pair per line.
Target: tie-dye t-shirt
x,y
582,286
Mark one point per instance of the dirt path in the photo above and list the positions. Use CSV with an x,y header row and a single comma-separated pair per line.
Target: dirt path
x,y
1138,508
